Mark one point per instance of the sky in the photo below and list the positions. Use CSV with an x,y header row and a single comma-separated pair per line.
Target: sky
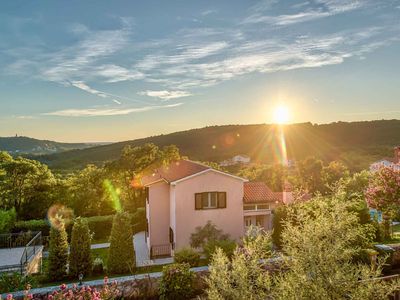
x,y
91,71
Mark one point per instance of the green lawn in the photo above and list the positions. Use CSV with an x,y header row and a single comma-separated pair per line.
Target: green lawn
x,y
101,253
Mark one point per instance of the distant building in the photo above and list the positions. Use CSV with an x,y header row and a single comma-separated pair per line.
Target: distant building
x,y
393,163
237,159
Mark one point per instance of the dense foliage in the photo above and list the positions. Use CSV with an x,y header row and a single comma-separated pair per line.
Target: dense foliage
x,y
7,220
356,143
206,233
58,252
321,238
187,255
31,188
15,282
80,257
121,257
177,282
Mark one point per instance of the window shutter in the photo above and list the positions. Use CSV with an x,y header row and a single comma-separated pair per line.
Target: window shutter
x,y
204,200
222,200
198,201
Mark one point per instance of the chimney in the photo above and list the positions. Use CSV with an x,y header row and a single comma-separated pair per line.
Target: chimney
x,y
397,155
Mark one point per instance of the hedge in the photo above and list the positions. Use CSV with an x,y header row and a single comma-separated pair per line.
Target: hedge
x,y
99,225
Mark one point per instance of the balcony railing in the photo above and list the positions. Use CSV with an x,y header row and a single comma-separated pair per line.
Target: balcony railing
x,y
157,251
31,242
32,248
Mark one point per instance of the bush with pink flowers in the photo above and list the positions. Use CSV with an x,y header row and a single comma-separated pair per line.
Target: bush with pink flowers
x,y
106,292
383,194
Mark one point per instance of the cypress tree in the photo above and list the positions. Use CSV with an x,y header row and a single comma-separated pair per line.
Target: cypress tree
x,y
58,251
121,256
80,258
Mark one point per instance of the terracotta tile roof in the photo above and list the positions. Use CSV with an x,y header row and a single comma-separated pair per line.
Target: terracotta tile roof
x,y
174,171
257,192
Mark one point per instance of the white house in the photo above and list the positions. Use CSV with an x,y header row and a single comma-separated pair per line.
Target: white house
x,y
387,162
237,159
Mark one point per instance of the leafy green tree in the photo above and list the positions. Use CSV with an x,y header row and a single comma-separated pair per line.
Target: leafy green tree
x,y
121,256
58,252
383,194
320,248
333,173
274,176
25,185
87,194
80,257
310,171
7,220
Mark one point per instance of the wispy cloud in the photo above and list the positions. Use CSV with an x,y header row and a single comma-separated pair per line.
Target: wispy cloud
x,y
97,112
83,86
165,95
324,9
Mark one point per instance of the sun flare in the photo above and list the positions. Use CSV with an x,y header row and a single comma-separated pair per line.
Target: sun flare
x,y
281,114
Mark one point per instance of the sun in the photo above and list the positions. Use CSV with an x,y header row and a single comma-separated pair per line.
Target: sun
x,y
281,114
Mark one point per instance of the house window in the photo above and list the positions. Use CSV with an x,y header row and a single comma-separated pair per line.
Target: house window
x,y
210,200
249,207
256,207
262,206
259,220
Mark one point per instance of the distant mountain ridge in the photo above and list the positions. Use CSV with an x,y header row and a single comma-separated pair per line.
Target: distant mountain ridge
x,y
30,146
356,143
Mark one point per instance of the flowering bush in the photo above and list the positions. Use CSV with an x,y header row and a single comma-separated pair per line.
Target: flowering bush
x,y
383,193
107,292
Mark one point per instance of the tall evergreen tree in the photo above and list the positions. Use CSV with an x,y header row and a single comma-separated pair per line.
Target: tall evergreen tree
x,y
58,251
80,258
121,256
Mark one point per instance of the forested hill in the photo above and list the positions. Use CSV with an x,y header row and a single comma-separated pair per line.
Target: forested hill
x,y
26,145
355,143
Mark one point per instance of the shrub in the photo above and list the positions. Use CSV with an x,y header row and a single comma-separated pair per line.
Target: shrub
x,y
33,225
7,220
121,257
206,233
80,258
187,255
228,247
100,226
58,252
15,282
177,282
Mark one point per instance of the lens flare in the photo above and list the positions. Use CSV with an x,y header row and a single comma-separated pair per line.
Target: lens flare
x,y
113,194
282,146
59,215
